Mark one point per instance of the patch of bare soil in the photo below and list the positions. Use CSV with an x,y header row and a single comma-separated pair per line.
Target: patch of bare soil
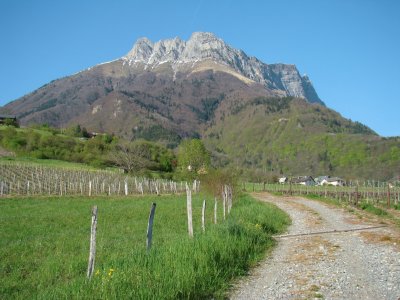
x,y
390,238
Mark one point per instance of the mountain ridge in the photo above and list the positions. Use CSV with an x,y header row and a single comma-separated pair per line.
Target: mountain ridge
x,y
205,45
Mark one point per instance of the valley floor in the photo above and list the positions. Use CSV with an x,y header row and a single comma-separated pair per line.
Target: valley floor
x,y
327,253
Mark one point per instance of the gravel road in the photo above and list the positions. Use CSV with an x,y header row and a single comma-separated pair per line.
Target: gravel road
x,y
362,264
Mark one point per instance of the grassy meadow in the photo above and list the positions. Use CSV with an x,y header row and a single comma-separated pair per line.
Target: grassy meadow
x,y
53,163
44,247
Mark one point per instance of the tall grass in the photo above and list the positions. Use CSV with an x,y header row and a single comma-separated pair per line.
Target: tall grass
x,y
44,246
373,209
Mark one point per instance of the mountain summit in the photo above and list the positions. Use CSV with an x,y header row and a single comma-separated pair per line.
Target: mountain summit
x,y
203,46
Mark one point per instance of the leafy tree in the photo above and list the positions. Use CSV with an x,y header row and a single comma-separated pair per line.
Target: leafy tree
x,y
77,131
107,138
193,158
167,161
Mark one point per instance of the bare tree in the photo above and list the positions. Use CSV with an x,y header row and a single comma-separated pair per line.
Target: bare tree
x,y
130,156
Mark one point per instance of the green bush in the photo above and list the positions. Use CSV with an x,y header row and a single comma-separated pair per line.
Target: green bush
x,y
11,122
372,209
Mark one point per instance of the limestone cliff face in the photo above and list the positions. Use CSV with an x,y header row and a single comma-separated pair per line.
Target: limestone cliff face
x,y
203,46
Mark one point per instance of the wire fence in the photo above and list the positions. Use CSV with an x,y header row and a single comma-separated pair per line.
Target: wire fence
x,y
369,191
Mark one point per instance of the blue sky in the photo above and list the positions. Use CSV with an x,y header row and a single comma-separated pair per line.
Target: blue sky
x,y
349,48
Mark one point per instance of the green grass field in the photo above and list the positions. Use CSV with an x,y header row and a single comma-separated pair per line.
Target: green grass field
x,y
30,161
44,245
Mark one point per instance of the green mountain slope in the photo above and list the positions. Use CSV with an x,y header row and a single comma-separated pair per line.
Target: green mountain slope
x,y
290,136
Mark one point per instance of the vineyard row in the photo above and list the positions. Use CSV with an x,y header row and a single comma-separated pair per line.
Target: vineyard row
x,y
24,179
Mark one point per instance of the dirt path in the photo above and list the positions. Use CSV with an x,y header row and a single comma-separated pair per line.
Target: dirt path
x,y
362,264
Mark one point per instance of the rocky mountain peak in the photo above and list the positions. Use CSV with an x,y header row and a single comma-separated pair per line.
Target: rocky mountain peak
x,y
142,49
203,46
200,46
203,37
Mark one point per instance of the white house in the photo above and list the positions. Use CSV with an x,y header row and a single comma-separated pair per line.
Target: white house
x,y
318,180
335,181
283,180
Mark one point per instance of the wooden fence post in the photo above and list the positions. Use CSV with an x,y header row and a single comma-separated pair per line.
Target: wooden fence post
x,y
228,194
230,198
92,251
215,210
189,210
150,226
388,196
356,195
223,202
203,215
195,185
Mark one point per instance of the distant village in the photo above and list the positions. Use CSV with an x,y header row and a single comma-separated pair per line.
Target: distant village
x,y
310,181
326,180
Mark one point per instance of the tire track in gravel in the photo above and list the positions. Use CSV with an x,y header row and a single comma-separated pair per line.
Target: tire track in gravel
x,y
342,265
